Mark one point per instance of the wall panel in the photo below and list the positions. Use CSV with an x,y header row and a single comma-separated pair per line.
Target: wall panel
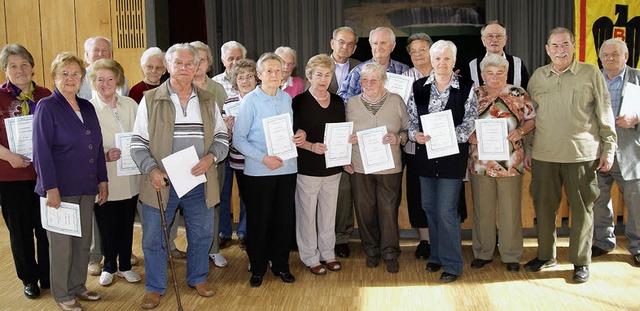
x,y
23,26
58,33
3,35
93,19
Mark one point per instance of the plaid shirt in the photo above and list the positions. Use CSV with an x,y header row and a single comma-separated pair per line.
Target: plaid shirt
x,y
351,85
615,88
224,80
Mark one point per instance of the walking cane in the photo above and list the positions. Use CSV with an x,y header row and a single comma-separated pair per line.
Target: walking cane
x,y
166,239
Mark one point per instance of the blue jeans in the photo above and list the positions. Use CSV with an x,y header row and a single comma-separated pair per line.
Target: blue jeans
x,y
440,201
226,229
199,223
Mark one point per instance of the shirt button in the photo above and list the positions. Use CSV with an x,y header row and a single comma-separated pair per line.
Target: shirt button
x,y
90,146
91,160
88,132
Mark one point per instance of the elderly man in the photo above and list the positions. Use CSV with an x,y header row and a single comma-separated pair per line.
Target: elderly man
x,y
382,41
96,48
574,138
625,169
170,118
230,52
494,38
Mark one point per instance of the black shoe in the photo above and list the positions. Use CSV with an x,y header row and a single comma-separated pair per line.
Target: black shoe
x,y
597,251
513,266
286,276
636,260
342,250
373,261
255,281
32,291
447,277
479,263
223,242
535,264
580,274
242,244
433,267
423,250
392,265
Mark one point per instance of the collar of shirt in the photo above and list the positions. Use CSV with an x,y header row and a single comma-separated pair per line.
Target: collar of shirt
x,y
172,92
288,83
619,77
504,55
454,83
549,69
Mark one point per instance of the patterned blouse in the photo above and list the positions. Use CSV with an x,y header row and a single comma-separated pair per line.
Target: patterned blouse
x,y
514,104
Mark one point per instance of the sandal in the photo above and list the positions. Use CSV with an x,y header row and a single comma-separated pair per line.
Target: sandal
x,y
318,270
332,265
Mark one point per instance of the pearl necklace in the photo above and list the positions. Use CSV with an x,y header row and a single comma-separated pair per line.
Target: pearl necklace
x,y
320,99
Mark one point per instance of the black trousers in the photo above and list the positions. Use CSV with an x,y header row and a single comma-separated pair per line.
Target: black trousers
x,y
21,212
115,223
270,204
417,216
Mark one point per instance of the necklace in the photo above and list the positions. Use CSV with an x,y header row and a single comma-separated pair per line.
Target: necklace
x,y
320,99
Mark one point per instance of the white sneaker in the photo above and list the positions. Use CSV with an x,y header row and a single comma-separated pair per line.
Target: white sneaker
x,y
218,260
129,275
106,278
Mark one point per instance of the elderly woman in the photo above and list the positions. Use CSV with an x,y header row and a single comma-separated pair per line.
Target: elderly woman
x,y
20,205
376,196
244,79
115,217
271,205
441,178
418,46
290,84
70,162
152,64
203,81
499,181
317,185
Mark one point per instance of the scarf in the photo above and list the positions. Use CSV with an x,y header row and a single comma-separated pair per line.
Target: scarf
x,y
28,104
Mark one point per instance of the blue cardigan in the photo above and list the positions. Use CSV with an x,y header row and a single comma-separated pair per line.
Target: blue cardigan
x,y
67,152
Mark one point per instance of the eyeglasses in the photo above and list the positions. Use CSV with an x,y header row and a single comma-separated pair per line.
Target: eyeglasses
x,y
154,68
75,75
418,51
369,81
494,36
320,75
105,80
181,64
246,78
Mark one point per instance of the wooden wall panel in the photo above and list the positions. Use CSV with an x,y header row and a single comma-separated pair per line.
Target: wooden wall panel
x,y
3,36
58,33
23,26
93,19
129,36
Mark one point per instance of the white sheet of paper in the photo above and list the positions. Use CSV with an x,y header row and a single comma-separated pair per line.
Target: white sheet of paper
x,y
630,100
178,167
278,132
375,155
19,134
63,220
336,137
231,109
440,127
400,85
125,166
492,139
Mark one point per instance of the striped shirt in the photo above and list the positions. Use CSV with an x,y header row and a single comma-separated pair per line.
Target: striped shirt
x,y
236,159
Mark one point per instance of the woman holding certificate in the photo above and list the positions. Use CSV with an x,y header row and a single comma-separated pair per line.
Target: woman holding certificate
x,y
20,205
70,163
376,192
496,180
449,107
115,217
263,134
317,185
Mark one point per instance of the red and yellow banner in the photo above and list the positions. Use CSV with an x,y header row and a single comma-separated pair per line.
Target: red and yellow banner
x,y
599,20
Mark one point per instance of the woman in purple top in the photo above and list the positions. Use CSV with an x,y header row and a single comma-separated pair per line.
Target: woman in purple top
x,y
69,160
20,205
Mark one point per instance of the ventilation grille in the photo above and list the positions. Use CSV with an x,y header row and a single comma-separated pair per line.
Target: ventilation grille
x,y
129,24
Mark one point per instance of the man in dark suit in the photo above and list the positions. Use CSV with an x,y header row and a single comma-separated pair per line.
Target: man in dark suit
x,y
625,169
343,44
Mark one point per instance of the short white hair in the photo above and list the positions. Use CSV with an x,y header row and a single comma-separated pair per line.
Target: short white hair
x,y
149,53
442,45
287,50
168,57
232,45
387,29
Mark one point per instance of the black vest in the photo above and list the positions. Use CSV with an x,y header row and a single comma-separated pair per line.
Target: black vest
x,y
453,166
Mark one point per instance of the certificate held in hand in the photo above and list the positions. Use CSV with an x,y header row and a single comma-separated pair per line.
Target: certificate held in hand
x,y
492,139
278,132
375,155
443,140
336,137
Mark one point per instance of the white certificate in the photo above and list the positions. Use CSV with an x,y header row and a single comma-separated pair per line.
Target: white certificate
x,y
125,166
231,109
440,127
19,134
400,85
336,137
178,167
63,220
492,139
630,100
278,132
375,155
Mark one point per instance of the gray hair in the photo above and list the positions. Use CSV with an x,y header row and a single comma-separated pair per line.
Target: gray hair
x,y
344,28
287,50
419,36
621,45
89,42
493,22
494,60
14,49
442,45
561,30
168,57
200,46
268,56
231,45
149,53
374,68
387,29
243,64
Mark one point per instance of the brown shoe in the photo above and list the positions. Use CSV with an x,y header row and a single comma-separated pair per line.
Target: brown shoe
x,y
88,296
204,289
74,307
332,265
94,269
178,254
318,270
150,300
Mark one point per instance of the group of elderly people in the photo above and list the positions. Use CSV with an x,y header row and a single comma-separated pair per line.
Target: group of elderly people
x,y
75,155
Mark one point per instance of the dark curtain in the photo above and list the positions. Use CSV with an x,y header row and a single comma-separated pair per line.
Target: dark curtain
x,y
528,23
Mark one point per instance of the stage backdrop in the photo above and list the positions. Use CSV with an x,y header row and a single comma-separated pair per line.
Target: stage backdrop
x,y
599,20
